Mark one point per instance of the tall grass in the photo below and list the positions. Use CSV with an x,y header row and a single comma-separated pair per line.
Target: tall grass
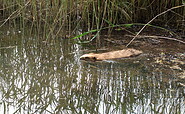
x,y
49,17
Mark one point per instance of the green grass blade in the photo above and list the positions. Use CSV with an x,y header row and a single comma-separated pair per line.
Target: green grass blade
x,y
85,33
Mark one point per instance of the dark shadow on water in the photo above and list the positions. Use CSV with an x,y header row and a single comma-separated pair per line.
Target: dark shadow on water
x,y
40,78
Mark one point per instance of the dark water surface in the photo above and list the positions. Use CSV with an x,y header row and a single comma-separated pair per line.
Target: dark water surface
x,y
40,78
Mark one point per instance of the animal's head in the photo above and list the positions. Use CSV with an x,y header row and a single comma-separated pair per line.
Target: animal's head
x,y
88,57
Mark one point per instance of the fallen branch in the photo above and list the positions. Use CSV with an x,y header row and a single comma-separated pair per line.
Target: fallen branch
x,y
157,37
152,20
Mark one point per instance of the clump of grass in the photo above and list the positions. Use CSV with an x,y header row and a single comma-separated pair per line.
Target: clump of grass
x,y
50,17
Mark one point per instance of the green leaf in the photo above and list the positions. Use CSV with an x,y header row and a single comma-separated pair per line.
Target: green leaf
x,y
128,25
85,33
109,23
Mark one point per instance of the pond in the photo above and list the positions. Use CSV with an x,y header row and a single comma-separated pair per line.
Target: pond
x,y
36,77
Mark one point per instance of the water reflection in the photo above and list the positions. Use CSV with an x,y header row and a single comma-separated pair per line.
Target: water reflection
x,y
49,78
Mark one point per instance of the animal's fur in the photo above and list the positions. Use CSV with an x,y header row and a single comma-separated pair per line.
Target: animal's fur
x,y
111,55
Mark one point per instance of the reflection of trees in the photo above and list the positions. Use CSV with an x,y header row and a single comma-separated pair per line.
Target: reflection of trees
x,y
39,78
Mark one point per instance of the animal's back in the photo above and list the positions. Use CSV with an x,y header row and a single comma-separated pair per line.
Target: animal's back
x,y
111,55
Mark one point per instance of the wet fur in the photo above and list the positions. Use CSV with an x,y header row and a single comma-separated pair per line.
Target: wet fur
x,y
111,55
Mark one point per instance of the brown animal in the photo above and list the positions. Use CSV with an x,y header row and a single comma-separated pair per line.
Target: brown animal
x,y
111,55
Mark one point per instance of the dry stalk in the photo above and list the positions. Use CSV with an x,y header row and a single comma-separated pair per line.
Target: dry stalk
x,y
158,37
18,10
152,20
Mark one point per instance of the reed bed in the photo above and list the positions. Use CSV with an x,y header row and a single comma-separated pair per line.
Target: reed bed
x,y
49,17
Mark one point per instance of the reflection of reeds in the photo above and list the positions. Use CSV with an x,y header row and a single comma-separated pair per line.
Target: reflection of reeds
x,y
50,16
39,78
